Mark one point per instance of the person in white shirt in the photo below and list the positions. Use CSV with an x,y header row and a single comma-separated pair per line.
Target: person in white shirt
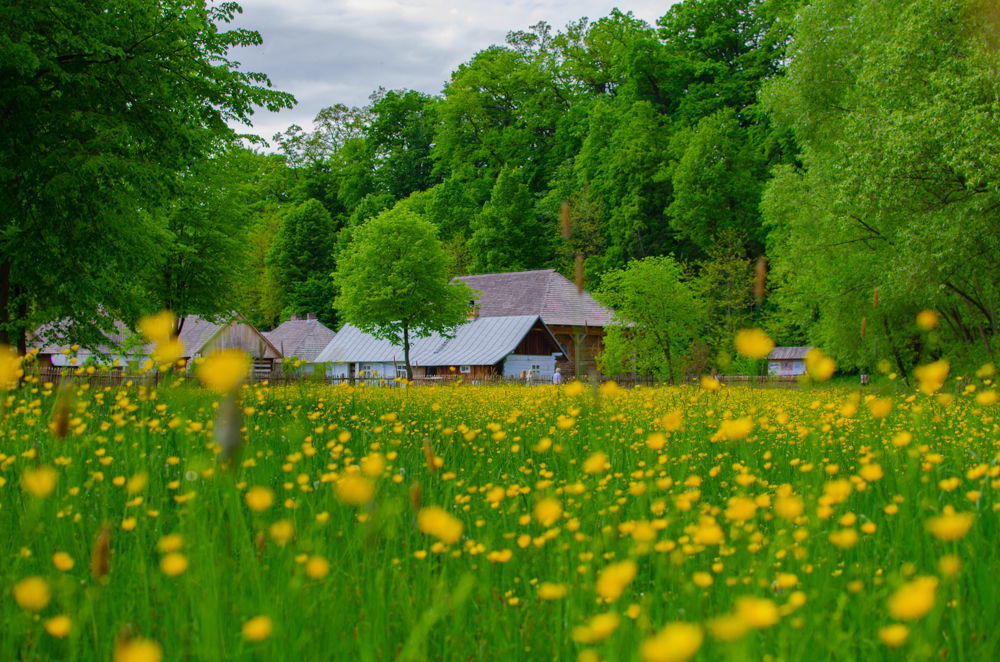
x,y
557,376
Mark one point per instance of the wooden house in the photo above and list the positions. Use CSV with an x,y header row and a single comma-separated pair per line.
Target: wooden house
x,y
482,347
573,317
198,335
787,361
301,338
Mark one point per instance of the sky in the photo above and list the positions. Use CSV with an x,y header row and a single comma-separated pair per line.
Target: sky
x,y
326,52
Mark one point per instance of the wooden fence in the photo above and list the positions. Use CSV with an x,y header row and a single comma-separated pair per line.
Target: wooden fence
x,y
153,378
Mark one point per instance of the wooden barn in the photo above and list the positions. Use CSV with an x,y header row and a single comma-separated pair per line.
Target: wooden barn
x,y
787,361
574,317
482,347
198,335
302,337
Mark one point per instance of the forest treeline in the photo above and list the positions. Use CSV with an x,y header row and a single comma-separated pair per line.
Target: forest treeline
x,y
843,150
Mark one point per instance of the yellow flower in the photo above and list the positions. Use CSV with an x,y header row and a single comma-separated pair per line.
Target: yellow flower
x,y
595,464
168,352
734,429
702,579
355,490
170,543
281,532
40,482
137,483
32,593
819,366
710,384
373,465
548,511
158,327
893,635
913,600
844,538
614,578
599,628
317,567
932,376
927,320
10,367
951,526
223,370
138,650
757,612
753,343
58,626
728,628
986,398
63,561
575,388
677,642
880,407
949,565
656,441
740,508
871,472
173,564
438,522
259,498
788,507
257,628
550,591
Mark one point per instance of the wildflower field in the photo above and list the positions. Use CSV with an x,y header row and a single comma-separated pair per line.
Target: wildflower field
x,y
499,523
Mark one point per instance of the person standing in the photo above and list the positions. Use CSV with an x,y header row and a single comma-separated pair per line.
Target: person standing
x,y
531,377
557,376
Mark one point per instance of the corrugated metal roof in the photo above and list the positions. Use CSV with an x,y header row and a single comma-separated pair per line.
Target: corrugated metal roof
x,y
302,338
545,293
788,353
483,341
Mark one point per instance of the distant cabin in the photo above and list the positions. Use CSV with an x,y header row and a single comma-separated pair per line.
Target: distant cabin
x,y
304,337
482,347
571,315
787,361
199,336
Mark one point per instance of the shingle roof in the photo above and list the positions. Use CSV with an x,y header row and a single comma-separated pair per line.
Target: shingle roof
x,y
302,338
483,341
545,293
788,353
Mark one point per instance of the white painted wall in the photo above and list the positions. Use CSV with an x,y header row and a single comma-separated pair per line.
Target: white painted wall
x,y
786,368
543,366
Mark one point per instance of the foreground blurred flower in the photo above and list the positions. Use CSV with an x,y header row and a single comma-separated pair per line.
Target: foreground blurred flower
x,y
58,626
63,561
257,628
259,498
355,490
932,376
32,593
676,642
158,327
819,366
753,343
913,600
173,564
757,612
550,591
951,526
436,521
599,628
548,511
281,532
894,635
317,567
39,482
137,650
927,320
614,578
222,371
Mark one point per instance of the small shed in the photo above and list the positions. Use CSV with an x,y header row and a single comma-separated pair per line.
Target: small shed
x,y
787,361
301,337
482,347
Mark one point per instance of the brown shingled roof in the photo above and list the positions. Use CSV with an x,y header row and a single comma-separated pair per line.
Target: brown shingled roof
x,y
545,293
302,338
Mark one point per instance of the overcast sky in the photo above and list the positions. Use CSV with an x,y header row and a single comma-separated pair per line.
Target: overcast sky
x,y
339,51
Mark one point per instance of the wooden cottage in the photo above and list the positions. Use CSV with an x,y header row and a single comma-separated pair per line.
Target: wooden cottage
x,y
198,335
301,337
574,317
482,347
787,361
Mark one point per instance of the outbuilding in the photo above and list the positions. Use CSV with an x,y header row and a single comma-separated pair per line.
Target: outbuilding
x,y
301,339
787,361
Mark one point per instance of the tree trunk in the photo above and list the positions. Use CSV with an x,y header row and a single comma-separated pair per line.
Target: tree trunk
x,y
406,352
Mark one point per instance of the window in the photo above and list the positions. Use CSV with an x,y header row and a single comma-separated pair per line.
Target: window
x,y
787,366
465,369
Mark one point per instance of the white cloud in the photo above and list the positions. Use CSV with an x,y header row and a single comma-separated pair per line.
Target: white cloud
x,y
338,51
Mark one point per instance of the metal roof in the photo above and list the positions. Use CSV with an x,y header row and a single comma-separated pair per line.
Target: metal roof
x,y
482,341
788,353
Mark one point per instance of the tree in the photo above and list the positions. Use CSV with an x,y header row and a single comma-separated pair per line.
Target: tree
x,y
303,258
656,314
100,103
393,282
506,235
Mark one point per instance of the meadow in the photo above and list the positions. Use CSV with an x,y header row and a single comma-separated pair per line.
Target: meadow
x,y
310,522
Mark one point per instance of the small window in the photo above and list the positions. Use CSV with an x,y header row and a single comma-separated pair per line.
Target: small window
x,y
465,369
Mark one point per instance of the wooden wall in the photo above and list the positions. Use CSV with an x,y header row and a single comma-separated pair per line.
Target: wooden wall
x,y
241,336
592,345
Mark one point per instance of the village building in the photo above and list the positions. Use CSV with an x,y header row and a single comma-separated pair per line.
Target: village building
x,y
573,316
787,361
300,340
199,336
482,347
